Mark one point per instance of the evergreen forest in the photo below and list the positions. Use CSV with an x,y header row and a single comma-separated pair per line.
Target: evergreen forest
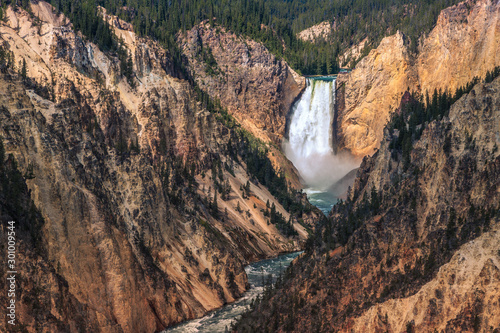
x,y
275,23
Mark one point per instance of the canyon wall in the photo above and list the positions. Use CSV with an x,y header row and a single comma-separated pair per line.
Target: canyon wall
x,y
257,88
254,86
141,217
414,247
368,93
463,44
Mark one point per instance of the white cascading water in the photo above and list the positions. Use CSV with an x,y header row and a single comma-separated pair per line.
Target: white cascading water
x,y
310,137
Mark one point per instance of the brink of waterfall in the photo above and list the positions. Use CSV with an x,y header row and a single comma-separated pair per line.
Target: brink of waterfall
x,y
310,138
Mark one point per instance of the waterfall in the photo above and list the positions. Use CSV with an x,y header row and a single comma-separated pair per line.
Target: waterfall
x,y
311,124
310,137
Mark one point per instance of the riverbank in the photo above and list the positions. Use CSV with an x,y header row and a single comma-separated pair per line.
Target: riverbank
x,y
218,320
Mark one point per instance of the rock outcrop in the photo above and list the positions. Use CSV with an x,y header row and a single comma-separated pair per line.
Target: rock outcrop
x,y
256,87
142,220
415,246
369,91
464,44
319,31
353,54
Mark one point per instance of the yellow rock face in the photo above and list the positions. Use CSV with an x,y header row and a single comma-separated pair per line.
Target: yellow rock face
x,y
367,96
464,44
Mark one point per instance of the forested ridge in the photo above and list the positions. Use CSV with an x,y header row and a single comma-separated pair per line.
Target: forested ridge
x,y
275,23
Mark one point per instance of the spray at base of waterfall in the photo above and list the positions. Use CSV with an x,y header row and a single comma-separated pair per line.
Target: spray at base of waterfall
x,y
319,171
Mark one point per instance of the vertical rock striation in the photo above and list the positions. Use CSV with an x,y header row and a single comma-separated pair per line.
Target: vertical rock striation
x,y
463,44
133,232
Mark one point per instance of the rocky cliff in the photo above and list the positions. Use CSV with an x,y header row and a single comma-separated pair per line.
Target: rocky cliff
x,y
350,57
369,91
463,44
415,246
144,217
256,87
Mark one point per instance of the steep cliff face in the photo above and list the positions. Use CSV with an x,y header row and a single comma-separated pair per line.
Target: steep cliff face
x,y
415,246
463,44
463,297
369,92
459,167
251,83
256,87
143,219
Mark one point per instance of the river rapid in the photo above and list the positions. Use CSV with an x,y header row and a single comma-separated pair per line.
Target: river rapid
x,y
218,320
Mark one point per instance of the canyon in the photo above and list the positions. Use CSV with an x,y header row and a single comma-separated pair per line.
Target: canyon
x,y
141,220
142,179
414,247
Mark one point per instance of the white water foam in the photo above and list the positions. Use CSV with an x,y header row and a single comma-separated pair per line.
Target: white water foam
x,y
310,137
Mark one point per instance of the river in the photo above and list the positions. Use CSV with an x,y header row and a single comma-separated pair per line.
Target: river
x,y
322,199
310,148
218,320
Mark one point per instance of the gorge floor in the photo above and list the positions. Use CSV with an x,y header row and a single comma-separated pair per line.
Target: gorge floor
x,y
219,320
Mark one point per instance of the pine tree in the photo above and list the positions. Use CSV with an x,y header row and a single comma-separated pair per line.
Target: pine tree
x,y
215,206
23,70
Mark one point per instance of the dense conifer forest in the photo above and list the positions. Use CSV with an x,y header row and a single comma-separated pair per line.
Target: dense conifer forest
x,y
275,23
